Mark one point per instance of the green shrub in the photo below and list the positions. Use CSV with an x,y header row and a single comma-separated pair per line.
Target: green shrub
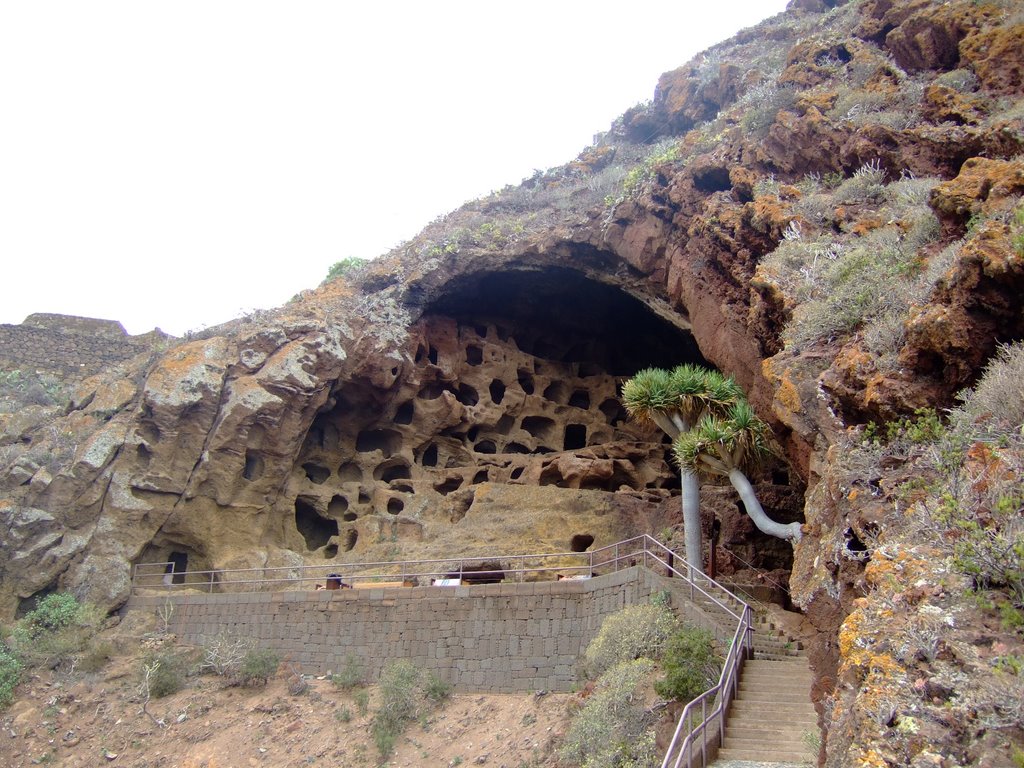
x,y
436,689
10,675
1017,230
166,673
258,666
636,631
614,727
347,266
690,664
362,699
350,676
997,401
399,700
56,631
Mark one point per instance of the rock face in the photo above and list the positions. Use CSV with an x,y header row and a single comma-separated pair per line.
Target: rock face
x,y
459,396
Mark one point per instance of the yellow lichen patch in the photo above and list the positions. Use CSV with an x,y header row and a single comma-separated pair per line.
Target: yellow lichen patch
x,y
900,568
871,759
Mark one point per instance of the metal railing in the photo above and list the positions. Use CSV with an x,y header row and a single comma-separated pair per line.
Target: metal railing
x,y
701,725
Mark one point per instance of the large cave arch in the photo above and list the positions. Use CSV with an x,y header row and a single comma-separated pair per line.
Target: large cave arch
x,y
561,314
512,378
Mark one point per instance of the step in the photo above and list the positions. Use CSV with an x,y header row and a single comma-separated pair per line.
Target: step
x,y
776,685
766,756
773,697
766,733
752,709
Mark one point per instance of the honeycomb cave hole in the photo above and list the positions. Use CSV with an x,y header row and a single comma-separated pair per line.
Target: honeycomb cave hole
x,y
350,472
525,379
253,468
613,411
429,457
474,355
330,551
395,506
497,390
351,537
315,473
575,437
338,506
467,395
405,413
581,542
315,529
390,471
580,399
387,441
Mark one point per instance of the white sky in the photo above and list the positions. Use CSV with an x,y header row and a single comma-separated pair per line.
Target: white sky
x,y
175,164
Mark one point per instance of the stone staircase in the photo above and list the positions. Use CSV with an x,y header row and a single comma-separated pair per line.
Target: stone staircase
x,y
771,720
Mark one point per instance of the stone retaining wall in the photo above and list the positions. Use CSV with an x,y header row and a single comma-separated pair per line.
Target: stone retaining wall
x,y
70,346
500,638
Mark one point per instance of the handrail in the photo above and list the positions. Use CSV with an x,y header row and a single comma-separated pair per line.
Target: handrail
x,y
690,740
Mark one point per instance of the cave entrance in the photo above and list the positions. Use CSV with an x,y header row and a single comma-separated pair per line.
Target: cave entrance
x,y
561,314
176,567
315,529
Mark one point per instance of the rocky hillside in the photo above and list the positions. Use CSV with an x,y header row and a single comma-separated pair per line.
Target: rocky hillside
x,y
827,207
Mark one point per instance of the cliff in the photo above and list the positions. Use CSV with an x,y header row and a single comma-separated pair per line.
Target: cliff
x,y
823,207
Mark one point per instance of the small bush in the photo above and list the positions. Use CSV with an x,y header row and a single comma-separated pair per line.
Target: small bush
x,y
998,399
690,664
10,675
614,727
399,701
636,631
350,676
56,631
258,666
347,266
362,699
436,689
166,674
225,653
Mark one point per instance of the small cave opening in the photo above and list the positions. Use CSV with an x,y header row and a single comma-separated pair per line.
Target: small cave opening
x,y
581,542
253,468
472,434
474,355
556,392
144,454
316,473
580,399
351,537
448,485
525,379
316,529
364,496
387,441
515,447
562,311
467,395
504,425
432,391
855,548
539,427
613,411
497,390
421,352
485,446
432,355
350,517
337,506
429,457
481,477
350,472
516,473
575,437
713,179
405,413
330,551
177,564
395,506
780,477
396,469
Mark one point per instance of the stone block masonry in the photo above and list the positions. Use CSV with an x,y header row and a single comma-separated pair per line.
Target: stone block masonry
x,y
500,638
71,347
